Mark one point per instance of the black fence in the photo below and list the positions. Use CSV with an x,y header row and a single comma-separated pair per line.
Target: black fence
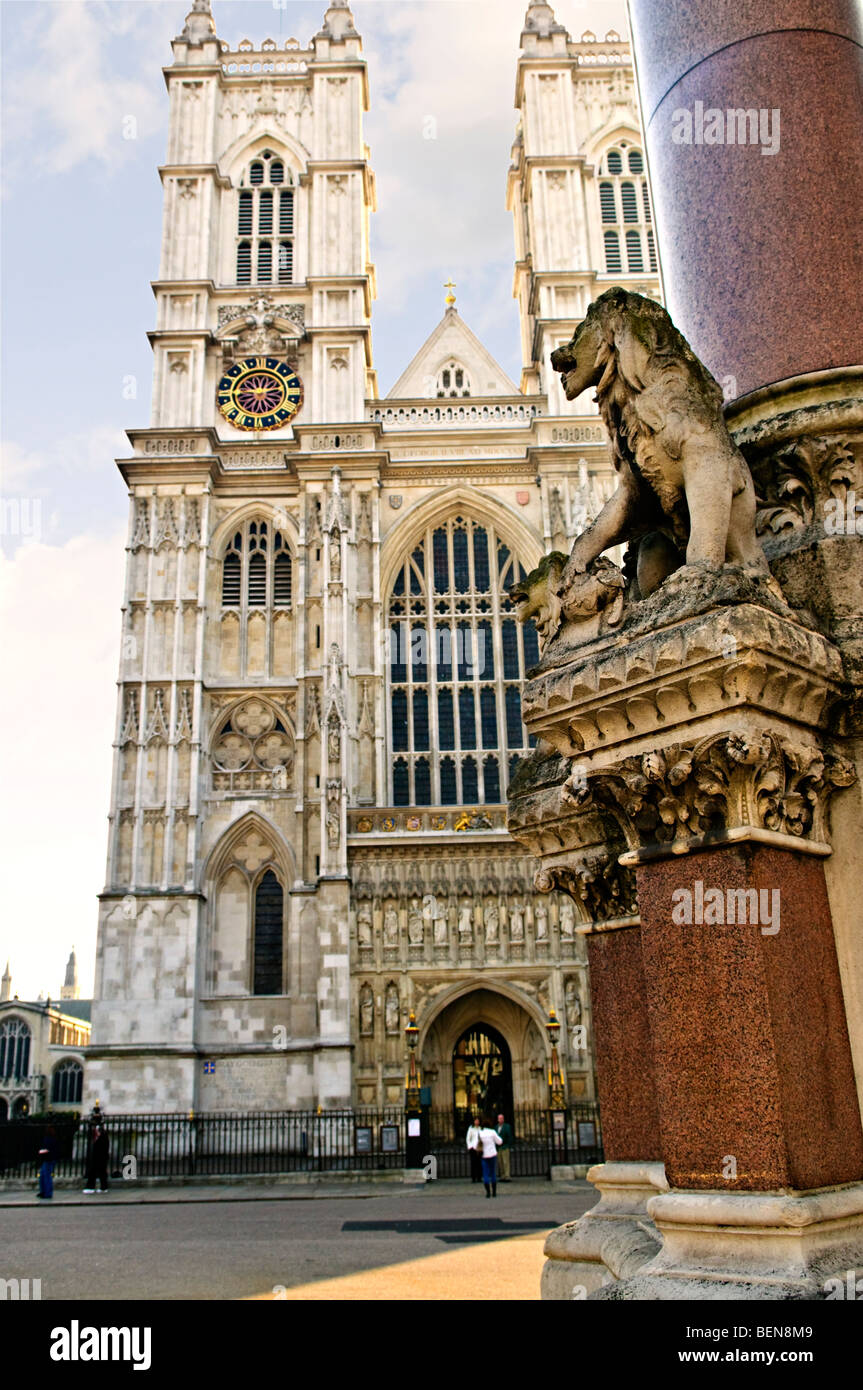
x,y
289,1141
180,1146
541,1140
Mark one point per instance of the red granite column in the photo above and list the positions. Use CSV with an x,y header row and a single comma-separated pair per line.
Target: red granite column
x,y
761,252
753,1065
622,1046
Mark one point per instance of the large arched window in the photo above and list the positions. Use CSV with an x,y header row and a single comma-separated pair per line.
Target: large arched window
x,y
267,930
457,661
624,206
265,223
67,1083
14,1048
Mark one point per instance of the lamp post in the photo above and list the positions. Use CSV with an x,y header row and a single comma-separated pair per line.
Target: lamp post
x,y
556,1094
416,1123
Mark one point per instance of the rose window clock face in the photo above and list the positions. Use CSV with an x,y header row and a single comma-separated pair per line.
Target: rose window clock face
x,y
260,393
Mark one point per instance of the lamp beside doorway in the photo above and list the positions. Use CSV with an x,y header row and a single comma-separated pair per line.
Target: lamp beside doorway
x,y
416,1119
412,1079
557,1096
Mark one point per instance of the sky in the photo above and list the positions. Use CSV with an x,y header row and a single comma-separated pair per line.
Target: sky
x,y
84,120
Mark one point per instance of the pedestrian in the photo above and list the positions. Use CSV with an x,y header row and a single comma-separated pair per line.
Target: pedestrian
x,y
97,1158
48,1156
505,1155
490,1143
474,1149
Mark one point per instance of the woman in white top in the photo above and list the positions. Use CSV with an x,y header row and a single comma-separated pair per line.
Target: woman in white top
x,y
490,1141
474,1149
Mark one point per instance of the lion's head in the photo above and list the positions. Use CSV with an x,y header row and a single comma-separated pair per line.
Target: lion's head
x,y
626,336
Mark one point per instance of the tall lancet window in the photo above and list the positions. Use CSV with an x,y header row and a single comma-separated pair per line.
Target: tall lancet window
x,y
256,569
265,223
457,662
624,209
268,932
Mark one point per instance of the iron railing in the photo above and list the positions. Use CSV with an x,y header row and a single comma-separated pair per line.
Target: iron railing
x,y
290,1141
188,1146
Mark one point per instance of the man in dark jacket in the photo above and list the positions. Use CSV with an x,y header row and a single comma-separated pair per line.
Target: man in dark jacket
x,y
97,1158
505,1153
48,1156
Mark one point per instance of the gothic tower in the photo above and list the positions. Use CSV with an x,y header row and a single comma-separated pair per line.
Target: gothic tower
x,y
226,864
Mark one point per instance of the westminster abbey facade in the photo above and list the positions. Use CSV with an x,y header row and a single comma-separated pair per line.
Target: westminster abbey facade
x,y
319,699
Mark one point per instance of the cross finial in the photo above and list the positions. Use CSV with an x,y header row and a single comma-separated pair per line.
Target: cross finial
x,y
450,299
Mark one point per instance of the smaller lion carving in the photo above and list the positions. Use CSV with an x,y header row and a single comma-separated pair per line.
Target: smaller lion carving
x,y
598,590
685,495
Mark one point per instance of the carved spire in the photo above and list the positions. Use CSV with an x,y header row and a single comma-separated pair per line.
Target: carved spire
x,y
200,24
70,988
338,21
540,21
6,985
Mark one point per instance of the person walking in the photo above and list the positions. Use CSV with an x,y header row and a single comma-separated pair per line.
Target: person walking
x,y
490,1142
48,1156
97,1158
474,1149
505,1155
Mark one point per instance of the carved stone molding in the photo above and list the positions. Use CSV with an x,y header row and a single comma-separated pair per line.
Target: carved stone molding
x,y
727,786
602,889
703,667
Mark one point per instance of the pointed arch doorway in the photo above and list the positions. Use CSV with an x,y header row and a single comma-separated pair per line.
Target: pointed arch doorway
x,y
481,1075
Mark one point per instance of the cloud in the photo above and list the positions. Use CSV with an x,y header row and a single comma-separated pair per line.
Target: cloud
x,y
60,620
65,100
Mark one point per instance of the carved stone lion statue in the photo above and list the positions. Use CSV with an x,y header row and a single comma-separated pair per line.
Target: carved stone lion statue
x,y
685,495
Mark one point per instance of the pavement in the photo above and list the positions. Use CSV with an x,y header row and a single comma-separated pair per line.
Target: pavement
x,y
259,1241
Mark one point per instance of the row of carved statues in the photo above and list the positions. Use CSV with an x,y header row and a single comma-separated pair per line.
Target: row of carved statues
x,y
465,920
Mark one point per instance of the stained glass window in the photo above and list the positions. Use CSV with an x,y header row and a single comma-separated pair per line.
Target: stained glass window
x,y
457,661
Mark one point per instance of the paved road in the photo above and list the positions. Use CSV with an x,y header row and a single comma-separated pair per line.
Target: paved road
x,y
442,1241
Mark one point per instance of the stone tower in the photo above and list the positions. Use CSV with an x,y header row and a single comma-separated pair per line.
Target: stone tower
x,y
70,988
319,707
577,189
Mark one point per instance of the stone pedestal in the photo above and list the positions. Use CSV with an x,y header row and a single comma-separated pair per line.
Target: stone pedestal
x,y
701,745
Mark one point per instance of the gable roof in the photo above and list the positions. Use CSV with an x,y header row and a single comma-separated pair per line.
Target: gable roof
x,y
452,339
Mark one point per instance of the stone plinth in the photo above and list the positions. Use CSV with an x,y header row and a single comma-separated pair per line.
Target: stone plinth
x,y
702,738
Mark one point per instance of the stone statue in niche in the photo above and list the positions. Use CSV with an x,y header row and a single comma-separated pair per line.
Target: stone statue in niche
x,y
516,922
391,926
541,916
465,922
335,555
334,740
367,1011
364,926
334,819
567,920
415,922
491,917
685,501
391,1009
440,926
573,1002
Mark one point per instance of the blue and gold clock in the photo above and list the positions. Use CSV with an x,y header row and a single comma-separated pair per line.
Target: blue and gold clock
x,y
260,393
